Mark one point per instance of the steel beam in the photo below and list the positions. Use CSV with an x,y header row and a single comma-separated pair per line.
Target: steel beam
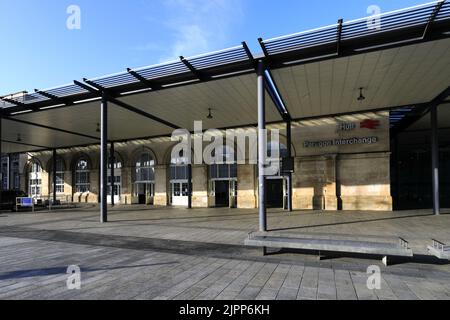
x,y
432,18
98,90
435,159
249,54
285,116
189,186
104,160
151,84
54,175
16,103
111,163
27,144
194,71
261,147
55,99
51,128
142,113
263,47
9,173
339,35
289,175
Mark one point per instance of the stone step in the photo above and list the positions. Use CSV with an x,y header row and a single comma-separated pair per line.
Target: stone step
x,y
439,250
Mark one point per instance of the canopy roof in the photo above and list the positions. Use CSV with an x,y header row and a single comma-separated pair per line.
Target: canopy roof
x,y
402,61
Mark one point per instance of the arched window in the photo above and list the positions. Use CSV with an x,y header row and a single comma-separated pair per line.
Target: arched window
x,y
60,169
4,171
179,183
82,176
179,167
115,180
144,181
35,178
228,168
117,162
15,172
145,168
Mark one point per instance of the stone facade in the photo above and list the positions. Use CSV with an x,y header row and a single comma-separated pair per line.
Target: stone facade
x,y
314,183
247,187
200,186
161,197
329,174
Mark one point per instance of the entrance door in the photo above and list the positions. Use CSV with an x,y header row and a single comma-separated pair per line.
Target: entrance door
x,y
222,191
233,194
35,185
117,187
180,194
274,193
144,192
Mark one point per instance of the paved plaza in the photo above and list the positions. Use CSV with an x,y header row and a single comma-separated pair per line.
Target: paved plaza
x,y
154,253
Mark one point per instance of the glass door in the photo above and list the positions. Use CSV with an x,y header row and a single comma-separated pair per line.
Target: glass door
x,y
233,194
180,193
116,191
35,182
145,192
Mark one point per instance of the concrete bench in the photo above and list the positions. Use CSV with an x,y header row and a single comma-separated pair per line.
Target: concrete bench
x,y
386,247
439,250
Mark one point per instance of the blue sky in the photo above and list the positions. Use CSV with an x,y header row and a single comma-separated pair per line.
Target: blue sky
x,y
39,51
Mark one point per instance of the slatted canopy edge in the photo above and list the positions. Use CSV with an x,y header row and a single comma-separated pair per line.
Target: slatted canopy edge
x,y
417,24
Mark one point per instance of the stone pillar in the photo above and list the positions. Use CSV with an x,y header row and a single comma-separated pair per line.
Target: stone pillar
x,y
68,186
45,185
314,183
94,191
246,198
127,187
24,181
365,181
199,186
161,196
330,182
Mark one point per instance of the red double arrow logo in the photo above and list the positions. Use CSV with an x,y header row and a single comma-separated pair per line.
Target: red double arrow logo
x,y
370,124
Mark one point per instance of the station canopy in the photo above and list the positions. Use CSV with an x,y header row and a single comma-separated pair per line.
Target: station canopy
x,y
400,59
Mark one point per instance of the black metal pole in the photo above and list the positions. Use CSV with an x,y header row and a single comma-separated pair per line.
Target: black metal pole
x,y
104,160
435,158
54,176
289,176
112,162
190,186
261,148
9,172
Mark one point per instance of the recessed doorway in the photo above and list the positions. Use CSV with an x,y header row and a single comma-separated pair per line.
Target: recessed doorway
x,y
274,193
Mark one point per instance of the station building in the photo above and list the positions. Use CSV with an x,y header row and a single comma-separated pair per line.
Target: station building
x,y
327,175
362,112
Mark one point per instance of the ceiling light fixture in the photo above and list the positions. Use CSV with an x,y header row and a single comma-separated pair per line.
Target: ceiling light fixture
x,y
210,116
361,96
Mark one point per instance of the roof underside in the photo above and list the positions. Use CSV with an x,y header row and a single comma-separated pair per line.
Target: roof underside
x,y
317,73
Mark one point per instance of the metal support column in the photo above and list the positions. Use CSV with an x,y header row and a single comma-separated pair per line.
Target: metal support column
x,y
54,176
111,163
10,186
104,160
435,158
189,186
262,139
289,175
